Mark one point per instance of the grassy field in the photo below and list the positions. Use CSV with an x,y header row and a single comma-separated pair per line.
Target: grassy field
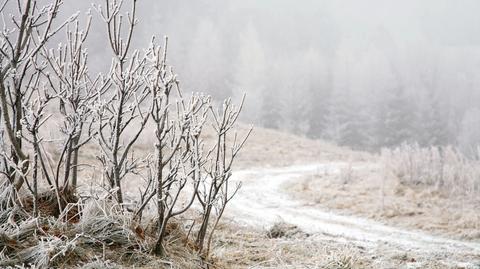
x,y
369,193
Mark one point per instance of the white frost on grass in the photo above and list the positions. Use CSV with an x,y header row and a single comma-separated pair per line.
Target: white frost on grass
x,y
261,202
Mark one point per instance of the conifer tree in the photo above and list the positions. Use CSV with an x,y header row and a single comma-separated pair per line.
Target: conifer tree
x,y
397,118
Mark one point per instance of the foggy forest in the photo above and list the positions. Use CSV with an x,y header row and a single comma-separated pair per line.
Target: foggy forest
x,y
367,75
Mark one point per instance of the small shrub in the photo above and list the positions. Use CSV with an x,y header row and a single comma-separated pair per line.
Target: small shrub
x,y
283,229
444,168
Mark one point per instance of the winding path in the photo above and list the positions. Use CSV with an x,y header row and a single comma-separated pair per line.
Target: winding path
x,y
261,202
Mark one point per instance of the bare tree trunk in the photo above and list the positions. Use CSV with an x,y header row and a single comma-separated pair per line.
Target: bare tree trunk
x,y
19,180
35,176
75,169
202,233
68,163
160,203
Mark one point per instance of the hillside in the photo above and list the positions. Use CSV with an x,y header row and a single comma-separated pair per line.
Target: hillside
x,y
332,191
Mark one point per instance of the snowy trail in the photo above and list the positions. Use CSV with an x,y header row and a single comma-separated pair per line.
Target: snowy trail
x,y
261,202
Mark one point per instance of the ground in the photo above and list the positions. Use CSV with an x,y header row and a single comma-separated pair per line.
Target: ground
x,y
346,210
389,201
311,204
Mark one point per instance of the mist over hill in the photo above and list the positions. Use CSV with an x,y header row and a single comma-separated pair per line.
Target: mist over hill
x,y
363,74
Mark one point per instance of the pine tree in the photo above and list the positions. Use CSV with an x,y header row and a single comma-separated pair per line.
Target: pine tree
x,y
293,91
347,117
271,109
397,118
434,122
319,87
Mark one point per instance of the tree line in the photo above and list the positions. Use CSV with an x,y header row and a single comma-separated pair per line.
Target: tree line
x,y
310,72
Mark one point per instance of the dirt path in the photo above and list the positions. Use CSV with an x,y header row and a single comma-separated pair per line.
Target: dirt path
x,y
261,202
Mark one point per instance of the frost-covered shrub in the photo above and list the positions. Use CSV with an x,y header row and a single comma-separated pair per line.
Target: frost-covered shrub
x,y
446,168
50,99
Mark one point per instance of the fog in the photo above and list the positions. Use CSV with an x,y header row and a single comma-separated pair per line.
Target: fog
x,y
365,74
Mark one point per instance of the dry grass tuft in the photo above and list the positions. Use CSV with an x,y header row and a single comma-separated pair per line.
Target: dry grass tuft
x,y
49,204
103,233
98,263
444,168
283,229
342,261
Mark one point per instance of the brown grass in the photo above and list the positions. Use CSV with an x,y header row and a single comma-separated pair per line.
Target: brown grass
x,y
351,192
244,247
389,200
271,148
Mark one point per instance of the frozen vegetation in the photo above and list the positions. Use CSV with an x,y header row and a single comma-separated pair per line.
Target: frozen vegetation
x,y
61,124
